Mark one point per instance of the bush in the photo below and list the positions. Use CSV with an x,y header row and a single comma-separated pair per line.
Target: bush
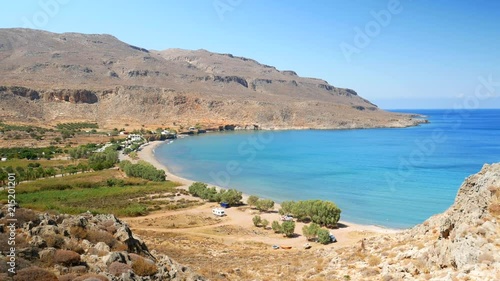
x,y
310,231
103,160
324,236
264,205
288,228
264,223
232,197
96,236
35,273
55,240
252,200
324,213
68,277
117,268
91,276
142,170
257,220
276,227
66,257
142,267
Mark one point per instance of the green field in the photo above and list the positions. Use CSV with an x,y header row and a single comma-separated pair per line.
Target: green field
x,y
43,162
90,192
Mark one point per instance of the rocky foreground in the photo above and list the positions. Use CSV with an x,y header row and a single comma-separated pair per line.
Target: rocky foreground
x,y
463,243
84,247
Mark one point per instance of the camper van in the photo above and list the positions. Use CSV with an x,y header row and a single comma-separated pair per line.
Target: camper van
x,y
218,212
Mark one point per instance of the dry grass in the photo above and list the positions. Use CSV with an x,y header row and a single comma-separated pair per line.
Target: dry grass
x,y
90,277
117,268
35,273
143,268
55,240
66,257
374,260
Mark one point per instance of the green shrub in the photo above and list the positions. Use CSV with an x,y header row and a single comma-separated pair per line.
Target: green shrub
x,y
288,228
310,231
324,236
142,170
257,220
324,213
276,227
252,200
264,205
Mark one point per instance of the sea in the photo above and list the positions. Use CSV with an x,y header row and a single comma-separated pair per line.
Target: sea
x,y
394,177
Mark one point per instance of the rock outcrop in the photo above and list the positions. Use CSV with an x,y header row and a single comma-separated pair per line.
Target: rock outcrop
x,y
463,243
84,247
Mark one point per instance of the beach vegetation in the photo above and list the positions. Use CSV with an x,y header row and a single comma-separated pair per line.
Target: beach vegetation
x,y
310,231
252,200
324,213
264,223
257,220
230,196
323,236
288,228
276,227
264,205
142,170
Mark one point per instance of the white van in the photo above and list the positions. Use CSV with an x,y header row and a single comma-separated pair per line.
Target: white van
x,y
218,212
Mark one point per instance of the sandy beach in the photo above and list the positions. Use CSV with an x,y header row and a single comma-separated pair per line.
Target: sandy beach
x,y
147,154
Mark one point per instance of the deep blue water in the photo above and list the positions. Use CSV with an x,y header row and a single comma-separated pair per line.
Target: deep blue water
x,y
390,177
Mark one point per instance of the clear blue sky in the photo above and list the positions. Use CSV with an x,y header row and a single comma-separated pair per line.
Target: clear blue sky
x,y
428,55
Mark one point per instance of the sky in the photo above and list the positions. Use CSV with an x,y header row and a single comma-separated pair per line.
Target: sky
x,y
399,54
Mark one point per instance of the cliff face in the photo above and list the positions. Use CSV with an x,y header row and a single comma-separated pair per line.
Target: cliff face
x,y
463,243
48,77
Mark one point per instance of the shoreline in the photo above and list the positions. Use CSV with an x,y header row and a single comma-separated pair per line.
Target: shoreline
x,y
147,154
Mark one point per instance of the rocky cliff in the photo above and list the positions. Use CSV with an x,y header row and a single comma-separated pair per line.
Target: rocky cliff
x,y
49,78
84,247
463,243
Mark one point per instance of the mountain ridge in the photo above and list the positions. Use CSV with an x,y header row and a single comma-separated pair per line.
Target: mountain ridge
x,y
166,87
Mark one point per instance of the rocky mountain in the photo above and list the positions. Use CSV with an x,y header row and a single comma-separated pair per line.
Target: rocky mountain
x,y
49,78
84,247
463,243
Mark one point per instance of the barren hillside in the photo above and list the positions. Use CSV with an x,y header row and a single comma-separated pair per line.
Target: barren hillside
x,y
49,78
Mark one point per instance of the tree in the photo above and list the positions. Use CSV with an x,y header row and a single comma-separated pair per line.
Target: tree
x,y
324,213
276,227
310,231
288,228
257,220
324,236
252,200
264,205
232,197
264,223
196,189
50,172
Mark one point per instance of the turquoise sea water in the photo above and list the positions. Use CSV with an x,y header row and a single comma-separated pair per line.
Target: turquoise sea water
x,y
390,177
